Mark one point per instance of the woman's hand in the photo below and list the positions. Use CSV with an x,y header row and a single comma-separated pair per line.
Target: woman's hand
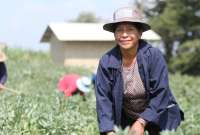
x,y
110,133
137,128
2,86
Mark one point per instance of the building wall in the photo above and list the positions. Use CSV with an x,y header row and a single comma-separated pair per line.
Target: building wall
x,y
85,54
57,51
79,53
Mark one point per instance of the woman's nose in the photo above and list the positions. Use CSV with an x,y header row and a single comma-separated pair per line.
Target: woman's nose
x,y
124,33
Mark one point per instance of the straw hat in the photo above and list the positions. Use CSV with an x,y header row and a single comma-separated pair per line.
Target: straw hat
x,y
2,56
127,14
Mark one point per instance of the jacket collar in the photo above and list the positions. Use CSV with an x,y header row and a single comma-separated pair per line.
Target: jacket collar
x,y
115,57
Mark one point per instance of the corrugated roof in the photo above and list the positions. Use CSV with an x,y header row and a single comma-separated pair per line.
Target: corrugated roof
x,y
85,32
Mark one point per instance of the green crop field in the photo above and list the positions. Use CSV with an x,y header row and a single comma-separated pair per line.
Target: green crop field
x,y
33,106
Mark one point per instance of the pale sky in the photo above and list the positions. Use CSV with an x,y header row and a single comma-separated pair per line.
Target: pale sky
x,y
22,22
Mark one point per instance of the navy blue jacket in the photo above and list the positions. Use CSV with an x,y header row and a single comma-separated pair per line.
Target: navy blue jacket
x,y
3,73
162,108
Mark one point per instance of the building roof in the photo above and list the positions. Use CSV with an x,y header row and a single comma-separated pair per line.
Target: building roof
x,y
85,32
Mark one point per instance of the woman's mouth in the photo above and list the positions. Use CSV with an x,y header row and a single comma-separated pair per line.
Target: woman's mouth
x,y
124,41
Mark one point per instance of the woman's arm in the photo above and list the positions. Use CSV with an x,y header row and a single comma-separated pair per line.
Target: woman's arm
x,y
104,99
159,91
3,73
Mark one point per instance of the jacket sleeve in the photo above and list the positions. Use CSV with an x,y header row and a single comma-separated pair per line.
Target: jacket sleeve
x,y
104,99
3,73
159,92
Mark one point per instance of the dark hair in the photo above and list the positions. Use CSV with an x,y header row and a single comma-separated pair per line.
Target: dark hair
x,y
138,26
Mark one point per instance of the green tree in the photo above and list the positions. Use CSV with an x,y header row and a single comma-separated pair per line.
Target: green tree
x,y
176,21
86,17
188,58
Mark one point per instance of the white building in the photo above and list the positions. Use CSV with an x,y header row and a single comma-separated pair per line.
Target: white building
x,y
82,44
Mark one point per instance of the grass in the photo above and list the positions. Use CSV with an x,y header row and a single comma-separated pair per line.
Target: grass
x,y
41,109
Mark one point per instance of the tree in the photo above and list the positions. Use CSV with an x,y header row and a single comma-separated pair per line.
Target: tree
x,y
86,17
188,58
176,21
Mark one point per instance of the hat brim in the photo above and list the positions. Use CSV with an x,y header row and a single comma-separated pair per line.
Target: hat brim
x,y
112,25
82,87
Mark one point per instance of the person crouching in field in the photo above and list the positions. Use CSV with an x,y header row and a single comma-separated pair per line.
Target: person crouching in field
x,y
132,87
72,84
3,70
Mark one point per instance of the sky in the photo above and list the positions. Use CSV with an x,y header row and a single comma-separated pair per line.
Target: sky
x,y
23,22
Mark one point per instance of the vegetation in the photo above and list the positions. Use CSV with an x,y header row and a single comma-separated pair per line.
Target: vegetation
x,y
87,17
176,21
40,109
188,58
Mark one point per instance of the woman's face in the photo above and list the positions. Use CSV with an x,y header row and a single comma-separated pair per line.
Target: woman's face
x,y
127,35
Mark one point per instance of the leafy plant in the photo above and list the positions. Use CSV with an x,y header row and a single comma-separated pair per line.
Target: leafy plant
x,y
40,109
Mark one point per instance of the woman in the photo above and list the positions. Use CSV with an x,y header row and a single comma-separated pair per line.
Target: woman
x,y
132,81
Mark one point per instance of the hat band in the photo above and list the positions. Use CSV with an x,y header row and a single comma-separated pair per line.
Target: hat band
x,y
131,19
